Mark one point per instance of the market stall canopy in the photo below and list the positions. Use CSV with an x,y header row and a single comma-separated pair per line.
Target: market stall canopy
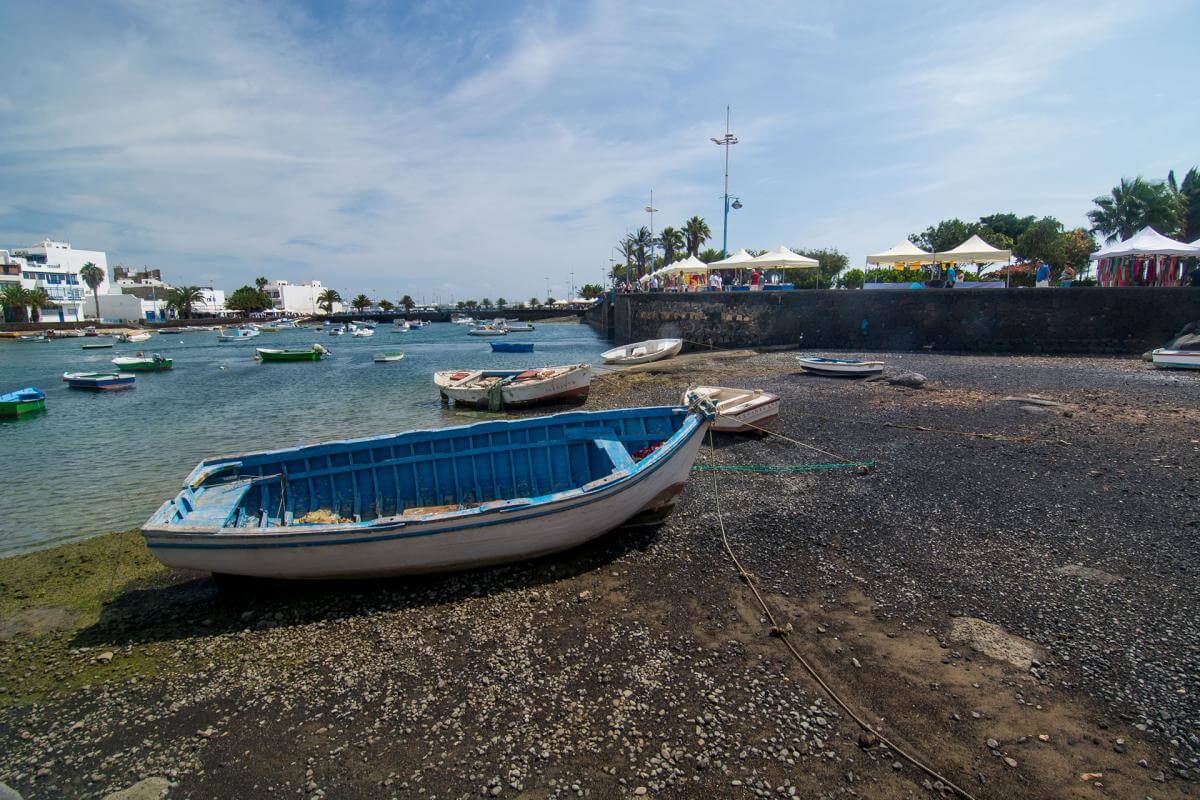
x,y
1147,242
782,258
689,264
975,251
738,260
903,253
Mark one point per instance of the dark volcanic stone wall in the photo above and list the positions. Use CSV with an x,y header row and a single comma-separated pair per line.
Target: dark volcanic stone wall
x,y
1083,320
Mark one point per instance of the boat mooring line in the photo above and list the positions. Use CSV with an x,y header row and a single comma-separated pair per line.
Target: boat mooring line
x,y
773,469
781,633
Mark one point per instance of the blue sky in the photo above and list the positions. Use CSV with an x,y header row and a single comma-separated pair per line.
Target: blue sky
x,y
470,150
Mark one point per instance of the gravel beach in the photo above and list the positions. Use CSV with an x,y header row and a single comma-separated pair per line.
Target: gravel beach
x,y
1010,594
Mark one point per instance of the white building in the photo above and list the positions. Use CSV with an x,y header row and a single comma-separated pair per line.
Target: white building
x,y
297,298
149,287
54,268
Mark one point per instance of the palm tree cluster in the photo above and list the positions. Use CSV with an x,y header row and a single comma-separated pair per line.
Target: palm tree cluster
x,y
181,300
677,244
19,302
1171,208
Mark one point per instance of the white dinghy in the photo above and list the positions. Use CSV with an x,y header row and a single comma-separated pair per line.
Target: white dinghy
x,y
840,367
738,410
503,388
1164,358
643,352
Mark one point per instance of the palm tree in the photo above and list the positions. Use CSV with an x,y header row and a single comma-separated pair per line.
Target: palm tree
x,y
1188,193
37,299
485,303
93,276
471,304
501,302
327,298
709,255
15,300
642,240
260,283
408,304
696,231
360,302
534,302
1134,204
183,298
628,251
672,242
386,305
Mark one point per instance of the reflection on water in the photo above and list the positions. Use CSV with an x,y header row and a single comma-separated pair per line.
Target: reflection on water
x,y
96,462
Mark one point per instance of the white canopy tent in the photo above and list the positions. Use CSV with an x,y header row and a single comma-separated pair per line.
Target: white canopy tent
x,y
975,251
780,258
903,253
689,264
1147,242
738,260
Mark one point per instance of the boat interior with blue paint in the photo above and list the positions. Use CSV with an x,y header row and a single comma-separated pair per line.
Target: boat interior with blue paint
x,y
422,474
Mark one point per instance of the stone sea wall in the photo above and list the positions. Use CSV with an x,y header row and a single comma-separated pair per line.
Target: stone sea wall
x,y
1085,320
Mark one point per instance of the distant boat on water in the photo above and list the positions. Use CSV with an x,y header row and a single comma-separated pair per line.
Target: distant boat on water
x,y
269,354
362,508
143,363
99,381
385,358
21,402
133,338
511,347
237,334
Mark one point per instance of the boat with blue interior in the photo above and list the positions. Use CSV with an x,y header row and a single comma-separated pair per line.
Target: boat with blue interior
x,y
429,500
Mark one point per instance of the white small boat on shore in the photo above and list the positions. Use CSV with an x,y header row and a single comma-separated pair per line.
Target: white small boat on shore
x,y
737,409
1175,359
643,352
840,367
504,388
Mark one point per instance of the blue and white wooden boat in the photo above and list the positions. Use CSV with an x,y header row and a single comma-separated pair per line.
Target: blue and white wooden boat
x,y
237,334
429,500
511,347
99,381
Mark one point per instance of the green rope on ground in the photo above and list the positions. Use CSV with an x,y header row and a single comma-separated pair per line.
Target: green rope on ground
x,y
773,469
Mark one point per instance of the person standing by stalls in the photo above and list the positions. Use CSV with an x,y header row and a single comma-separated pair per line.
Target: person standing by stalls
x,y
1068,276
1043,276
951,276
755,280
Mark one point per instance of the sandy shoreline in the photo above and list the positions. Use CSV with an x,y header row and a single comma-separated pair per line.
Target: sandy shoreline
x,y
1038,581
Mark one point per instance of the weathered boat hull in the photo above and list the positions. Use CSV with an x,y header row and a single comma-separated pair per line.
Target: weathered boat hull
x,y
643,352
101,382
284,356
755,410
573,385
840,367
494,533
1175,359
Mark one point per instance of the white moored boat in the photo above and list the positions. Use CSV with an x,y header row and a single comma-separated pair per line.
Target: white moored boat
x,y
487,330
737,409
395,504
1175,359
840,367
133,338
516,326
643,352
502,388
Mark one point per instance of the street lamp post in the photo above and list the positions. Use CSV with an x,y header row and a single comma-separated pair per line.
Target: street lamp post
x,y
726,141
650,209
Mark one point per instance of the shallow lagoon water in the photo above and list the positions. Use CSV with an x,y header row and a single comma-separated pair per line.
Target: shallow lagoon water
x,y
98,462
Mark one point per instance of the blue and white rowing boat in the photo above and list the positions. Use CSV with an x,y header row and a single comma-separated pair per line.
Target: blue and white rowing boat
x,y
237,334
99,381
430,500
511,347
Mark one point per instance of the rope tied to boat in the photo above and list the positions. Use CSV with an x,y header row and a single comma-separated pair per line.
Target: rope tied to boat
x,y
782,633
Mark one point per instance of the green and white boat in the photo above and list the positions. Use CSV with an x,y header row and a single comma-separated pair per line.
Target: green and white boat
x,y
143,363
22,401
271,354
